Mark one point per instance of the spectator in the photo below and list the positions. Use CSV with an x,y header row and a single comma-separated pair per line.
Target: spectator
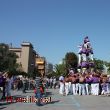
x,y
54,82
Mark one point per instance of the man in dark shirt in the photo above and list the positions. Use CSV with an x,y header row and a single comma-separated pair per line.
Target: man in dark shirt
x,y
2,85
38,92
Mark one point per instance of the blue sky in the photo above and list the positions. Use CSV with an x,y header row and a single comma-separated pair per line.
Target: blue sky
x,y
55,27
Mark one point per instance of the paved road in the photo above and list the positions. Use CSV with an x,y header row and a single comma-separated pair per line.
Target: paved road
x,y
60,102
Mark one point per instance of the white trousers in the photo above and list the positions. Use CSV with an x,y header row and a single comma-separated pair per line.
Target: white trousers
x,y
61,91
70,87
66,88
79,60
74,89
92,57
77,88
87,89
84,57
108,88
104,92
95,89
82,89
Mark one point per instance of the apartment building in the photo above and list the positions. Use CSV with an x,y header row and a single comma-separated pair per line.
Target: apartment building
x,y
26,56
41,65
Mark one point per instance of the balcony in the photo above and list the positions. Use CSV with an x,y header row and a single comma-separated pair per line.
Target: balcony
x,y
41,67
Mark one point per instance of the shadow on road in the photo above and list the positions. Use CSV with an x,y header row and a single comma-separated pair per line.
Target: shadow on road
x,y
2,108
53,102
48,93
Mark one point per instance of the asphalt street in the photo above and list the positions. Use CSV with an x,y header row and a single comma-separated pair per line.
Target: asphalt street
x,y
59,102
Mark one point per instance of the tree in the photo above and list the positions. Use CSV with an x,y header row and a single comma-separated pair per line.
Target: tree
x,y
71,60
107,64
99,64
60,69
109,68
34,74
7,59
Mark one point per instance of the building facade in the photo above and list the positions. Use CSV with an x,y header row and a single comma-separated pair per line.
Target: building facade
x,y
26,56
41,65
49,68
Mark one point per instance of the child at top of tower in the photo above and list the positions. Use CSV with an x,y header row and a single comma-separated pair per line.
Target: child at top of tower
x,y
87,43
86,39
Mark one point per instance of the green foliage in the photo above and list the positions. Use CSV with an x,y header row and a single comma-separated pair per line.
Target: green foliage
x,y
51,74
60,69
108,66
99,64
16,73
34,74
7,59
71,60
3,57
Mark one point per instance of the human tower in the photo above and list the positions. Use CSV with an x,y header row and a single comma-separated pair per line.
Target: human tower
x,y
85,56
